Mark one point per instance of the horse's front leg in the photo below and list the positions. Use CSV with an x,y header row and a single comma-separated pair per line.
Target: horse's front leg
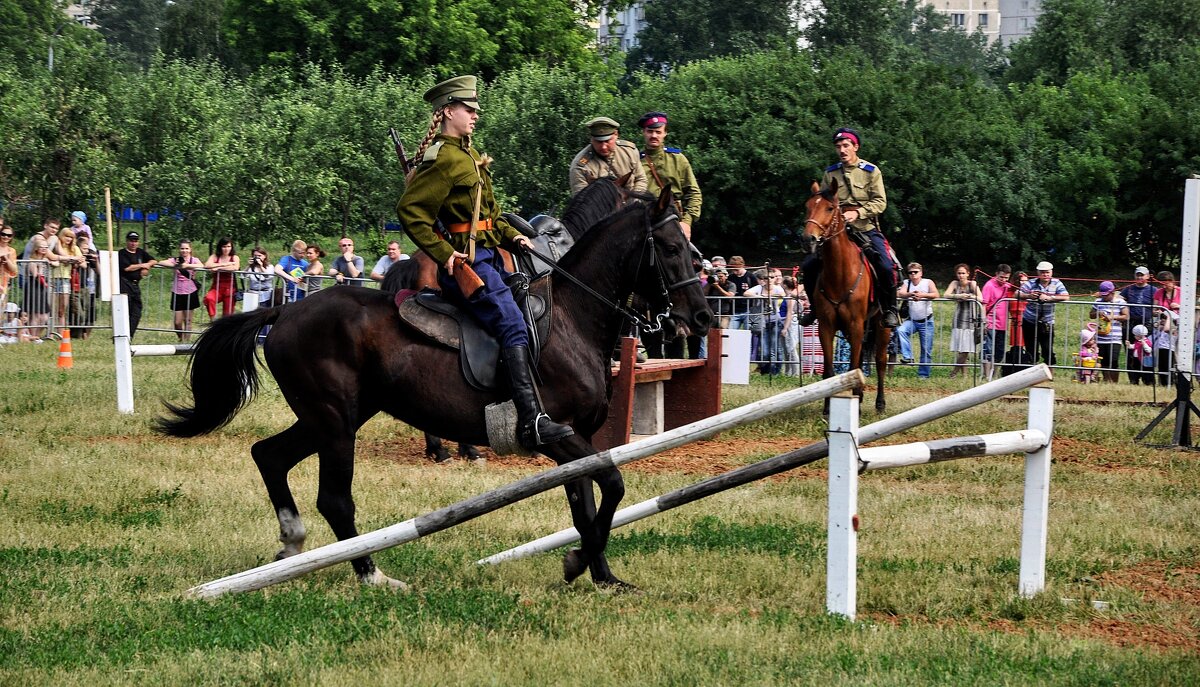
x,y
336,502
854,333
825,334
593,523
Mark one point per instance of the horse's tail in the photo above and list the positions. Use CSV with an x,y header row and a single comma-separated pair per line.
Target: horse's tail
x,y
224,374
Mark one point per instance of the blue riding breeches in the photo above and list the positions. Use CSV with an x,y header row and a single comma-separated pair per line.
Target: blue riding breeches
x,y
492,305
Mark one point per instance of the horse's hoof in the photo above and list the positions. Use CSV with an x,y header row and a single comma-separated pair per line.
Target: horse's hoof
x,y
478,460
378,579
573,565
286,552
618,586
439,457
469,452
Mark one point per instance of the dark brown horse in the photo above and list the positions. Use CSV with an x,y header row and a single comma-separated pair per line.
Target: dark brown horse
x,y
366,361
843,300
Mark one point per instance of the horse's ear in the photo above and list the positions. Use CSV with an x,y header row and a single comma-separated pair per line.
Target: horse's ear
x,y
665,200
816,188
833,186
624,179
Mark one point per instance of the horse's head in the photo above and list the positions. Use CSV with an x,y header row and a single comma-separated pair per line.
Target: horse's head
x,y
668,276
821,216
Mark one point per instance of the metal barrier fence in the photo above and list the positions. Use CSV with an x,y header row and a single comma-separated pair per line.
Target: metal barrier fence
x,y
781,347
51,300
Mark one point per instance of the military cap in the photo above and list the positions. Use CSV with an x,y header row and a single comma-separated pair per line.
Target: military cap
x,y
602,128
460,89
653,120
848,134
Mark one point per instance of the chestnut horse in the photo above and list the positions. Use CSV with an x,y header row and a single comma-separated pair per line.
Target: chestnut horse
x,y
843,300
365,361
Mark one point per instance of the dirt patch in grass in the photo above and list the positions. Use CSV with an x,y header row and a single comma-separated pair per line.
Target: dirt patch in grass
x,y
1158,581
1127,634
1094,456
699,458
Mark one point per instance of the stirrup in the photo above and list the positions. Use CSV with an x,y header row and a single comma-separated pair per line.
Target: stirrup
x,y
891,319
532,435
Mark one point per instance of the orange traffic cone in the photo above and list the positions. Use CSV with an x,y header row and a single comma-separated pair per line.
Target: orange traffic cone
x,y
65,359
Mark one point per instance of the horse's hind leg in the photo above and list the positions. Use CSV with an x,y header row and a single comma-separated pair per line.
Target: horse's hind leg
x,y
275,457
336,504
434,449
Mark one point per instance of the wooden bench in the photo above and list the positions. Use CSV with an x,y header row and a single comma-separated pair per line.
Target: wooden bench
x,y
660,394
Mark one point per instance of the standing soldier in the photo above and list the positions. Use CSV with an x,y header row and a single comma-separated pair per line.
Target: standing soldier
x,y
669,168
862,199
606,156
449,211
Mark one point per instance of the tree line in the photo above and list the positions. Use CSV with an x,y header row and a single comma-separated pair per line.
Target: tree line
x,y
1072,145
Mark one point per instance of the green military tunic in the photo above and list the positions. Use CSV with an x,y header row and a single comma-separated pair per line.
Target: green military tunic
x,y
672,167
444,188
588,167
861,186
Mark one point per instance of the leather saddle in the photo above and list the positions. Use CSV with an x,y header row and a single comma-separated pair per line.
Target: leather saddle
x,y
444,322
549,236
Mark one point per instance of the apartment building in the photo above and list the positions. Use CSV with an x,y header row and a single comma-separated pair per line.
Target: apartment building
x,y
971,15
1017,19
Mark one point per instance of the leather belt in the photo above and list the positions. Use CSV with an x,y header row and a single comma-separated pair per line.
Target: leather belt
x,y
464,227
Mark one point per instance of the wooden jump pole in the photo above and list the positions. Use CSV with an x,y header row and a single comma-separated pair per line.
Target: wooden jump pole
x,y
445,518
1024,379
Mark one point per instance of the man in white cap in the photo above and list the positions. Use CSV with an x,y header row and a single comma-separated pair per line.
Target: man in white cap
x,y
606,156
1140,296
1037,322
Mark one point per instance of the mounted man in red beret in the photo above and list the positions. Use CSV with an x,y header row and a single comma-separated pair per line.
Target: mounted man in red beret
x,y
862,199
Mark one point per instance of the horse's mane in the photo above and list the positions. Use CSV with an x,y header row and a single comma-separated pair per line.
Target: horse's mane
x,y
401,275
582,249
593,203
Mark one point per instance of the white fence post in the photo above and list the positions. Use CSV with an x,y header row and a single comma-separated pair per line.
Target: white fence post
x,y
1036,511
124,359
841,574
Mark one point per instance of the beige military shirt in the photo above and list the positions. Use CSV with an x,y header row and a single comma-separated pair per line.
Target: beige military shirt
x,y
860,186
588,166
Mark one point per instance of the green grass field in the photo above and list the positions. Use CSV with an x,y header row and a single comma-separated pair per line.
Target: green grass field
x,y
104,524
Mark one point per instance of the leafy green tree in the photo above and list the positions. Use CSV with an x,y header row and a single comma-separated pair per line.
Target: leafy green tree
x,y
456,36
192,30
682,31
131,25
533,125
1080,35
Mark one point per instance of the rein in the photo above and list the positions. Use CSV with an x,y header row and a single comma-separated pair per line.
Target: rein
x,y
636,318
839,224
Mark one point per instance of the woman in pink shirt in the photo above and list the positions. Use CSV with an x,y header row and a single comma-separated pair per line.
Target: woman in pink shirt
x,y
1168,296
184,300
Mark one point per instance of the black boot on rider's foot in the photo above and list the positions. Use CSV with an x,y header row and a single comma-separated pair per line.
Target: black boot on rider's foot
x,y
885,291
810,290
534,426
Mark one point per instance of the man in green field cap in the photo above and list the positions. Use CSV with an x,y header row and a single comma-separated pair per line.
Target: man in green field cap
x,y
606,156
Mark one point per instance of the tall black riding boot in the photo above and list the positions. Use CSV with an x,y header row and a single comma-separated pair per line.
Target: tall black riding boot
x,y
534,426
812,270
885,291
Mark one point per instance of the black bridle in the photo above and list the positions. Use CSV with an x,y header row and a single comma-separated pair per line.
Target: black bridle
x,y
650,246
825,229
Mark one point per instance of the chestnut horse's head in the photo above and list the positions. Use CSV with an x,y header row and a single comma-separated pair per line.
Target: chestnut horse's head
x,y
821,218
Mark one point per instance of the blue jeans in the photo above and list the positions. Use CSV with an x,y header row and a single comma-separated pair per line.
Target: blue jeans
x,y
925,331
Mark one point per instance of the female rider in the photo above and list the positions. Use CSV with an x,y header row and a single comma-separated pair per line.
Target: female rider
x,y
448,184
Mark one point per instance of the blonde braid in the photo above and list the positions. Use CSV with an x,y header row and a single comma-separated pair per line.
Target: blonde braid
x,y
435,125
